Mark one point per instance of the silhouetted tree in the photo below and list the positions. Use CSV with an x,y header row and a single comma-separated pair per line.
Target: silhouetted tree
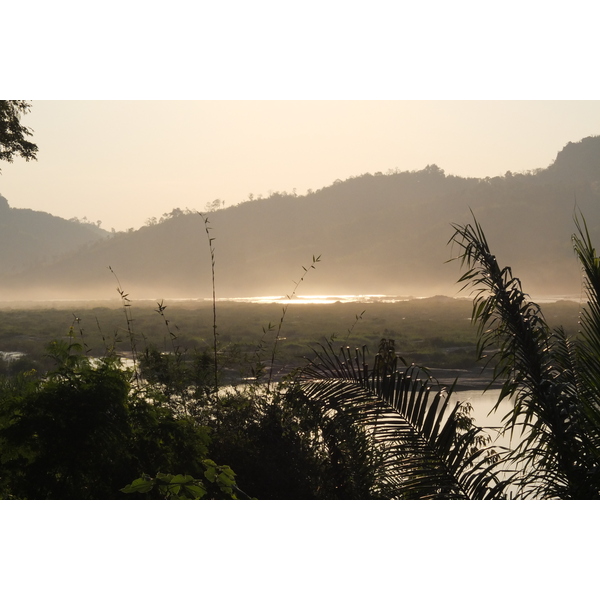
x,y
12,133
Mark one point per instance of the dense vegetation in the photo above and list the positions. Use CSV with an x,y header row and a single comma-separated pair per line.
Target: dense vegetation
x,y
433,332
88,428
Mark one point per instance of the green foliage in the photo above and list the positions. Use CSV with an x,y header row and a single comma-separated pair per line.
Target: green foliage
x,y
69,435
83,431
217,482
183,379
286,446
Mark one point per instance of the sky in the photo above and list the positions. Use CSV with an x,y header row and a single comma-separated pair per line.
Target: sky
x,y
123,162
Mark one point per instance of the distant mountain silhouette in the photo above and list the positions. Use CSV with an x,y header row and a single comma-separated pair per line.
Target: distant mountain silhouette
x,y
578,161
30,238
376,233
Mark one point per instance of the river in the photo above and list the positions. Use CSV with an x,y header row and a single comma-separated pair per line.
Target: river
x,y
482,402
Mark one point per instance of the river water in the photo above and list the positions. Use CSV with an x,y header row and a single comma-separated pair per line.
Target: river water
x,y
483,403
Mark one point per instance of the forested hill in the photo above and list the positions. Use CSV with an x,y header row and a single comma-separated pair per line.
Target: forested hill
x,y
376,234
30,238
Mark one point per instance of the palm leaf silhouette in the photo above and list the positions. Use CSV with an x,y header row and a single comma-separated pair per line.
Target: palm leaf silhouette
x,y
553,380
431,448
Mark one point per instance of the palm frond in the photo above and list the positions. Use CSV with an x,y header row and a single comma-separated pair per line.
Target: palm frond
x,y
430,449
589,343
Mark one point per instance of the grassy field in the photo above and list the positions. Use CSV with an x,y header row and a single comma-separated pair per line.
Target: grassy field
x,y
434,332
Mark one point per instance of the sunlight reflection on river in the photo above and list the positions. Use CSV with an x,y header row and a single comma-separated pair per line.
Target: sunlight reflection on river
x,y
368,298
362,298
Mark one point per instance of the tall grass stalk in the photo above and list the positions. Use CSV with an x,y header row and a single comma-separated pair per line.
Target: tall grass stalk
x,y
109,349
126,302
315,260
357,318
176,350
172,336
207,229
77,323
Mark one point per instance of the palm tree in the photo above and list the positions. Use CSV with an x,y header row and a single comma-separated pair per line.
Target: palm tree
x,y
430,447
553,380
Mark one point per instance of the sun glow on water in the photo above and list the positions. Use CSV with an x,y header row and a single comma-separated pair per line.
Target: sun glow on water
x,y
344,298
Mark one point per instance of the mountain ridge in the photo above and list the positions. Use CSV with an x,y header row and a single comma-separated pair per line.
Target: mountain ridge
x,y
29,237
376,234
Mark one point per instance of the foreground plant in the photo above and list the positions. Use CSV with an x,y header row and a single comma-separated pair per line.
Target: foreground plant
x,y
553,380
217,482
83,431
429,445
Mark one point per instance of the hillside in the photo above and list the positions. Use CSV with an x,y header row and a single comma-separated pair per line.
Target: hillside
x,y
376,234
30,238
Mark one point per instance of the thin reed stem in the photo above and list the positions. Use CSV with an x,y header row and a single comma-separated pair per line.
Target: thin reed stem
x,y
315,260
129,319
214,298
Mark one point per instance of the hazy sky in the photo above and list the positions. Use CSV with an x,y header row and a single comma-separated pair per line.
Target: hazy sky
x,y
122,162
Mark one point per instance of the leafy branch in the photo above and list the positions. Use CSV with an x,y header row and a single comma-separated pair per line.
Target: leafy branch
x,y
217,480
